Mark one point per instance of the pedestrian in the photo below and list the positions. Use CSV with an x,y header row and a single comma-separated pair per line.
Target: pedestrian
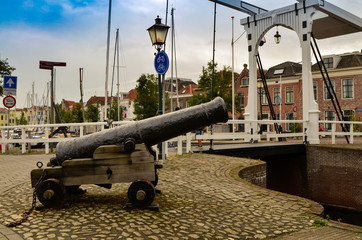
x,y
199,132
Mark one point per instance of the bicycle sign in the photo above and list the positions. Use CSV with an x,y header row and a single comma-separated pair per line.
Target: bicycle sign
x,y
161,62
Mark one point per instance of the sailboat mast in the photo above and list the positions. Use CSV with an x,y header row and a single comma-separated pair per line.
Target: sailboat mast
x,y
174,48
117,52
171,82
107,60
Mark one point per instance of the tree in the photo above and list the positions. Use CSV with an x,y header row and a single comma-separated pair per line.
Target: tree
x,y
146,103
77,115
114,111
222,86
22,120
5,70
92,113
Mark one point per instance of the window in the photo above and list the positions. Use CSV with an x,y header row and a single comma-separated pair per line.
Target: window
x,y
264,99
264,127
347,88
2,117
328,116
245,82
290,126
278,71
326,93
277,116
277,96
315,90
289,95
348,115
241,97
328,62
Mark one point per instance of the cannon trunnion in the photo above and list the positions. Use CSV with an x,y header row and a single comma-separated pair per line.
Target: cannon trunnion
x,y
110,164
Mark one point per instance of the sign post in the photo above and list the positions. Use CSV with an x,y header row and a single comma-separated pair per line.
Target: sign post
x,y
161,65
9,102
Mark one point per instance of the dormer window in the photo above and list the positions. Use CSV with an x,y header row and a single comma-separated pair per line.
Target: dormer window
x,y
328,62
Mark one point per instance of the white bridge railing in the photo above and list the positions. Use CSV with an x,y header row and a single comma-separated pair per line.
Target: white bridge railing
x,y
28,136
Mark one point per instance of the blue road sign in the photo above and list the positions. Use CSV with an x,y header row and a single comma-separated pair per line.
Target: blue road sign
x,y
161,62
10,83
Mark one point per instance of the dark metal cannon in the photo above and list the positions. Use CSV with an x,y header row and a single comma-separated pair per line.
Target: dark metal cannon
x,y
149,131
120,154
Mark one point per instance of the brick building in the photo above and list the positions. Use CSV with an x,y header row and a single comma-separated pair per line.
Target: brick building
x,y
285,89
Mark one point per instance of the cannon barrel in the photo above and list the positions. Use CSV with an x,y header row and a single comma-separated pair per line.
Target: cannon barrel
x,y
149,131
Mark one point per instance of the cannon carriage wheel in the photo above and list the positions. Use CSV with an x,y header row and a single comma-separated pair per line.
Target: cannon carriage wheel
x,y
51,192
141,193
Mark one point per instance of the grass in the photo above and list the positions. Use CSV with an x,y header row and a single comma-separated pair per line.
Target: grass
x,y
234,173
319,223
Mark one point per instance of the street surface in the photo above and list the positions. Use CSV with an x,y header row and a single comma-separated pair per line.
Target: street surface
x,y
199,200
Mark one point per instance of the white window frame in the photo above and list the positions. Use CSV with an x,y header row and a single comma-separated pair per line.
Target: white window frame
x,y
242,82
342,93
328,126
286,95
274,97
325,91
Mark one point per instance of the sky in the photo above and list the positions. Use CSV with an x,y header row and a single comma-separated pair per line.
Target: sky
x,y
75,32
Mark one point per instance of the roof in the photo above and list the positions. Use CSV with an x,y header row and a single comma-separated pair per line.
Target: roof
x,y
190,89
132,95
350,61
286,69
245,73
97,100
68,105
346,60
182,83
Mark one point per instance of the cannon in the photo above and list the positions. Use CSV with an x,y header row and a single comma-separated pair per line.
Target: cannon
x,y
120,154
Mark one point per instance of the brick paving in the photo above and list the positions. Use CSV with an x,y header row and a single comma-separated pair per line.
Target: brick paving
x,y
199,200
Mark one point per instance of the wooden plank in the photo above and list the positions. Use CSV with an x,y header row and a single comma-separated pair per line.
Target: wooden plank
x,y
98,175
125,167
98,162
100,170
54,172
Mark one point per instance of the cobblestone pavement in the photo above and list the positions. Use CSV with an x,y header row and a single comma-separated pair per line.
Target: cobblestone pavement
x,y
199,200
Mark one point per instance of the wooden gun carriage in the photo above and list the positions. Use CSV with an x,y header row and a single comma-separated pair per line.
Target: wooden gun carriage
x,y
120,154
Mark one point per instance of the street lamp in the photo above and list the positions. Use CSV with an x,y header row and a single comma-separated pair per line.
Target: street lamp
x,y
277,37
158,34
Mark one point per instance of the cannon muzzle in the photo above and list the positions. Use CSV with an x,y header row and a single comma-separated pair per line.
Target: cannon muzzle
x,y
149,131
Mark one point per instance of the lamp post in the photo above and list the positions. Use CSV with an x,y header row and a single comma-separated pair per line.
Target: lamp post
x,y
232,69
158,34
